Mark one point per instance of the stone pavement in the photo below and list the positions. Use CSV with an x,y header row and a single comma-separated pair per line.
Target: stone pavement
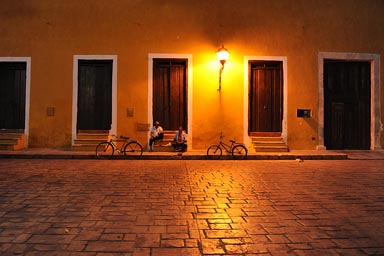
x,y
181,207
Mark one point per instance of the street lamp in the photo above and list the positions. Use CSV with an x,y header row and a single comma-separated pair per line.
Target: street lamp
x,y
223,55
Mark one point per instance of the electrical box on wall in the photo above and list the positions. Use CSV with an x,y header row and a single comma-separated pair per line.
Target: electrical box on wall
x,y
130,112
304,113
50,111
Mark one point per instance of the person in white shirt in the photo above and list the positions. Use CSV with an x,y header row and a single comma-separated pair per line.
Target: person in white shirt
x,y
156,133
180,140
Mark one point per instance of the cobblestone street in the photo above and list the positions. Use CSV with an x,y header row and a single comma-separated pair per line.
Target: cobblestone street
x,y
181,207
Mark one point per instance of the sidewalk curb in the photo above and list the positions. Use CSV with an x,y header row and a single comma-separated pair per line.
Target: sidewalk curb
x,y
172,156
298,155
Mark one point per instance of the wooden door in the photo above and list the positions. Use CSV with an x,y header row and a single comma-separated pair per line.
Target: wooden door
x,y
94,109
12,95
265,96
170,98
347,96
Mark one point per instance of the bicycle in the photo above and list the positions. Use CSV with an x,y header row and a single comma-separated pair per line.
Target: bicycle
x,y
130,148
237,150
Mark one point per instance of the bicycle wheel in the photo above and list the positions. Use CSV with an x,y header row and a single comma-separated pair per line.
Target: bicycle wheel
x,y
133,149
214,152
104,150
239,152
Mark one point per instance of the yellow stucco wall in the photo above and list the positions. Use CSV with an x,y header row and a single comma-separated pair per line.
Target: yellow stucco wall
x,y
51,32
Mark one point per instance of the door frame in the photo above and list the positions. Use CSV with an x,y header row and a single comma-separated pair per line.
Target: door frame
x,y
27,60
247,59
152,56
374,59
76,59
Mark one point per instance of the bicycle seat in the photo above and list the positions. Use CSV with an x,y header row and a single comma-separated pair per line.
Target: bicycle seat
x,y
124,137
233,141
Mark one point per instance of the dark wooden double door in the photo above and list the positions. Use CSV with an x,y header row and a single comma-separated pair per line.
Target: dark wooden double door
x,y
12,95
170,93
94,102
265,97
347,108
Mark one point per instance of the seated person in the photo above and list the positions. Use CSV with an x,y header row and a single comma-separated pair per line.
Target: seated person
x,y
156,133
180,140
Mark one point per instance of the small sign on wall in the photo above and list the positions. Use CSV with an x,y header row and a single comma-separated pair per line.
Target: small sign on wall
x,y
142,127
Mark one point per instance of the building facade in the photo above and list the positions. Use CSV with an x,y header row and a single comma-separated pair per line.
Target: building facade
x,y
306,71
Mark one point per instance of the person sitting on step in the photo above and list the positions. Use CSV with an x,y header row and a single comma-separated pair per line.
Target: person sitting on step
x,y
156,133
180,140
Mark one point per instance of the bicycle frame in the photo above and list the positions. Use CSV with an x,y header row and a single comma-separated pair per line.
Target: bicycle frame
x,y
115,141
226,147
